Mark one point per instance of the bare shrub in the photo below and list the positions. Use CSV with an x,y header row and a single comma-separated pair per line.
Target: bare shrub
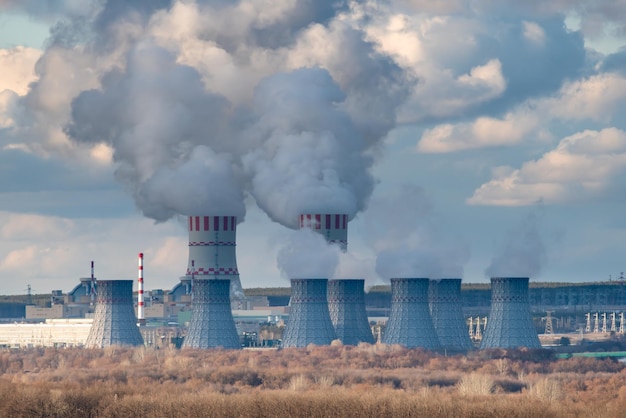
x,y
325,381
475,384
546,389
299,383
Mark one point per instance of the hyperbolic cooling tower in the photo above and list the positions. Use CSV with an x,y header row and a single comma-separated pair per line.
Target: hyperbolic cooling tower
x,y
309,319
114,321
510,324
212,255
444,298
212,323
346,305
334,227
409,322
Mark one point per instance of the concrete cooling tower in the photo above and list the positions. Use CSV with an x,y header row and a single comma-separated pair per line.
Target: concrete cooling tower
x,y
212,255
114,321
444,300
309,320
510,324
212,323
409,321
334,227
346,305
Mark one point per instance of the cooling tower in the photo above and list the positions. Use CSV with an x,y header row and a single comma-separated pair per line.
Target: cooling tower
x,y
212,323
409,321
114,321
309,320
346,305
212,243
510,324
444,300
333,227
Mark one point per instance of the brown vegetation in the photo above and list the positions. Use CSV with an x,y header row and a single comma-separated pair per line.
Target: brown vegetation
x,y
334,381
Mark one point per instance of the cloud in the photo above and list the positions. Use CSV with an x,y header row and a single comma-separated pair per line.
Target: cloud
x,y
481,133
306,255
581,167
18,68
534,33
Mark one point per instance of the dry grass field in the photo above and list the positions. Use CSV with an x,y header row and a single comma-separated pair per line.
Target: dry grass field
x,y
335,381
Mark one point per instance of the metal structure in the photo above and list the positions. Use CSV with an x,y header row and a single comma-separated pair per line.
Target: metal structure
x,y
309,319
444,300
333,227
410,323
212,252
212,324
140,302
346,305
510,323
114,321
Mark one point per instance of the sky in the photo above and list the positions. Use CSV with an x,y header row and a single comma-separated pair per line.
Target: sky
x,y
463,138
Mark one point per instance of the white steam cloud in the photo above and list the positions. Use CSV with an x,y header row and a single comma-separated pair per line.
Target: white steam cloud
x,y
409,240
298,128
523,252
307,255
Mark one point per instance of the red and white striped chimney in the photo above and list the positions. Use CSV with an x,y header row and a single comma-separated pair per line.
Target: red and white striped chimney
x,y
140,301
334,227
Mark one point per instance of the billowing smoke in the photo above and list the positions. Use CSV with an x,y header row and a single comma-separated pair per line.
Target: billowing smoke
x,y
523,252
306,255
409,239
201,103
309,158
168,135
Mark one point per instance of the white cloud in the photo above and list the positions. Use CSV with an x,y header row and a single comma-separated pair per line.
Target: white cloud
x,y
481,133
581,167
18,68
533,32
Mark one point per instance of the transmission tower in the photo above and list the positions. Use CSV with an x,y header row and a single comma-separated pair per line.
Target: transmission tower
x,y
548,318
604,328
588,318
613,322
596,323
471,327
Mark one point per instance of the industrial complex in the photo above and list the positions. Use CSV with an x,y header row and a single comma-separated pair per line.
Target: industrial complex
x,y
209,309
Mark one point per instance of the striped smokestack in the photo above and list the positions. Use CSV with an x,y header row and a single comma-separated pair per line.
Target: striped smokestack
x,y
333,227
140,301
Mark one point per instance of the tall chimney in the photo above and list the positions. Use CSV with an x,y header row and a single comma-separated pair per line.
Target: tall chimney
x,y
444,297
212,324
212,251
333,227
409,321
309,320
114,321
510,323
140,301
346,305
92,289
